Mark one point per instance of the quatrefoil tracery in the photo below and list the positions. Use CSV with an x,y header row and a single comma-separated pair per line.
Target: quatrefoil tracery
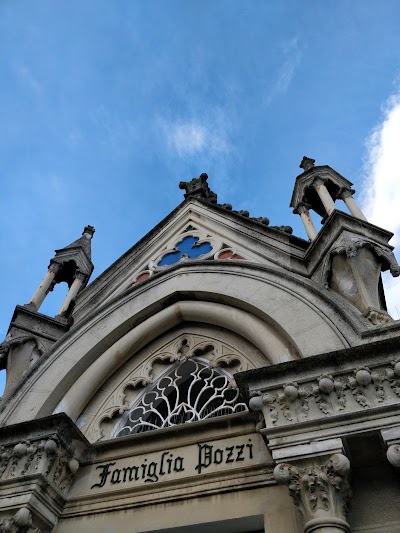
x,y
188,245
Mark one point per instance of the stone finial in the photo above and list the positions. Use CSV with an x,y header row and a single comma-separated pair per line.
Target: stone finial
x,y
306,163
198,188
88,230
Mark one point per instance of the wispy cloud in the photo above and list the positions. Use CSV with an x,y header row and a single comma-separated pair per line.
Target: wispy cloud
x,y
190,137
29,79
381,188
201,141
292,55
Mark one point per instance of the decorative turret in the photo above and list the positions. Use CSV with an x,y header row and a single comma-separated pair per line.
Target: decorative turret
x,y
31,334
71,264
350,253
317,188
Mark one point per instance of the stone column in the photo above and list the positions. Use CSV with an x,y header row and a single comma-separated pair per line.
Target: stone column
x,y
324,195
43,289
73,291
302,210
347,196
321,491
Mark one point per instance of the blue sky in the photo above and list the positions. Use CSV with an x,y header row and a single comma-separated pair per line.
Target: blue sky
x,y
106,106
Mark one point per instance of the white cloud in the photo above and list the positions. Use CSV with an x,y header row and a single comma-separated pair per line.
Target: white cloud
x,y
190,137
381,189
292,55
202,140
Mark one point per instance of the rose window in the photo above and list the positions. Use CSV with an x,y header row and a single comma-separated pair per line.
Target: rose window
x,y
190,392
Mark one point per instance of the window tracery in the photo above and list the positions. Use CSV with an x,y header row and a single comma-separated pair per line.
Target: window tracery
x,y
213,347
188,245
190,392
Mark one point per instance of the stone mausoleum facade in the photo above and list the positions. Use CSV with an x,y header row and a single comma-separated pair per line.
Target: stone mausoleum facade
x,y
222,376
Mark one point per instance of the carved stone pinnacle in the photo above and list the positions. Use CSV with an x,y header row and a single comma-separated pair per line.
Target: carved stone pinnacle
x,y
89,230
198,188
306,163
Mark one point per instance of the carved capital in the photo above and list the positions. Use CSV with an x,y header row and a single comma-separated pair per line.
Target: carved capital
x,y
80,275
345,192
320,490
301,208
54,266
318,181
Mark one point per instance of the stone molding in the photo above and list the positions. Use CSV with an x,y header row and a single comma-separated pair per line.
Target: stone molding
x,y
330,394
327,396
320,490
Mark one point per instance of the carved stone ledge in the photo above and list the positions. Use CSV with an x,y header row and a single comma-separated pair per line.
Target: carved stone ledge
x,y
320,490
328,395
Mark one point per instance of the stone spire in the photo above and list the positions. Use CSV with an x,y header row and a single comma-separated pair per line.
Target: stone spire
x,y
71,264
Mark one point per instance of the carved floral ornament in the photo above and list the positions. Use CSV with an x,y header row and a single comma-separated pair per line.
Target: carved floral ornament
x,y
39,456
329,395
21,522
189,245
153,385
320,490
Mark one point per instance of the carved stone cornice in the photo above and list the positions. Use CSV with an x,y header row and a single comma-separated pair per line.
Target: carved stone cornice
x,y
327,396
41,457
320,490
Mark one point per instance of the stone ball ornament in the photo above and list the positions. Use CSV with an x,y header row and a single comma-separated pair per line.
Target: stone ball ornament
x,y
282,473
291,392
393,455
396,368
50,447
23,518
363,377
256,403
326,385
20,449
73,465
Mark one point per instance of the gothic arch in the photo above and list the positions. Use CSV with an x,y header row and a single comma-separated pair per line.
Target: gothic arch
x,y
282,314
220,350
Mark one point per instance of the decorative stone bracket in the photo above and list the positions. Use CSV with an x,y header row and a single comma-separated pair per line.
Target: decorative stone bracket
x,y
320,490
